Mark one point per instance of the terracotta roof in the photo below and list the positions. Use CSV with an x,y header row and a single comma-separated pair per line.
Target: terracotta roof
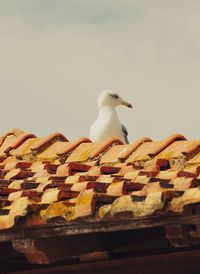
x,y
149,150
50,178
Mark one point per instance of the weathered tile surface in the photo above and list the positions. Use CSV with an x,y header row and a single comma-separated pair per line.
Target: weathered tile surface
x,y
48,178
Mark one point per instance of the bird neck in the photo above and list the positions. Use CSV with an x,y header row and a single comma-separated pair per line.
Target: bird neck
x,y
105,110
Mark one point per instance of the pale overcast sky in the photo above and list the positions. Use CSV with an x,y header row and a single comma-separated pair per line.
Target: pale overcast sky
x,y
56,56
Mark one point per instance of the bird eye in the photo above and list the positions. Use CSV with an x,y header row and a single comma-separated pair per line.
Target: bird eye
x,y
115,96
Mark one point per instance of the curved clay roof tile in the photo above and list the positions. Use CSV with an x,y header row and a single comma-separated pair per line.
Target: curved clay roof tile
x,y
14,131
47,141
167,142
71,146
132,147
20,140
104,146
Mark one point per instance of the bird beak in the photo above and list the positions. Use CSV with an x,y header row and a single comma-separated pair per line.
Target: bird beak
x,y
124,103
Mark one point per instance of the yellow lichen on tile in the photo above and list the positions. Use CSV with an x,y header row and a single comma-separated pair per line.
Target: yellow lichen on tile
x,y
84,204
152,203
58,209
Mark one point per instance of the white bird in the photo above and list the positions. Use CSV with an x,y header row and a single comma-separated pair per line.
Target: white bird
x,y
107,123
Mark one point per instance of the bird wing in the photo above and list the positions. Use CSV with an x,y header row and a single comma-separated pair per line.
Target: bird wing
x,y
125,133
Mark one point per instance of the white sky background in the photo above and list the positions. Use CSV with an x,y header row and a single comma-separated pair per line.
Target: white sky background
x,y
56,56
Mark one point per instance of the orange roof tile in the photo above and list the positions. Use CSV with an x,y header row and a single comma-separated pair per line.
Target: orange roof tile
x,y
132,147
72,145
15,132
82,152
47,141
25,148
144,152
112,155
150,149
119,153
8,142
51,153
195,159
82,179
20,140
180,148
104,146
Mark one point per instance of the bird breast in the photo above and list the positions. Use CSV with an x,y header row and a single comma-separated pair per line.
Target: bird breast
x,y
107,125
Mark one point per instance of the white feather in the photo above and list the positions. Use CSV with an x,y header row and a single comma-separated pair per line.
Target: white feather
x,y
107,123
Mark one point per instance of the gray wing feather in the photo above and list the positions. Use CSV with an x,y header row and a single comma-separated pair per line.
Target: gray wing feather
x,y
125,133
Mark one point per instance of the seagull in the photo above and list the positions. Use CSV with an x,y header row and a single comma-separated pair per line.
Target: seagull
x,y
107,123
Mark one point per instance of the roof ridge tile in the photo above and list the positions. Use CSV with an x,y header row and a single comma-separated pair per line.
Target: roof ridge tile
x,y
132,147
47,141
20,140
105,146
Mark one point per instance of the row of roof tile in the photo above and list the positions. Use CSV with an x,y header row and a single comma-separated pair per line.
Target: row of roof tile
x,y
57,147
43,179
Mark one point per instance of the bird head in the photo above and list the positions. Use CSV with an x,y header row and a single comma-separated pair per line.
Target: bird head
x,y
112,99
